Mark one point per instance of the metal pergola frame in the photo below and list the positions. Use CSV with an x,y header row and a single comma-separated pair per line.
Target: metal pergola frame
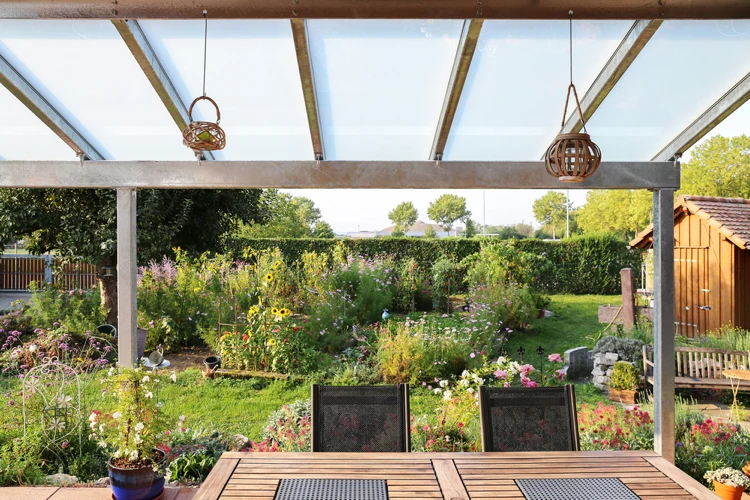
x,y
661,175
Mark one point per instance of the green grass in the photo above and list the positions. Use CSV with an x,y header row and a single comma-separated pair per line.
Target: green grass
x,y
575,323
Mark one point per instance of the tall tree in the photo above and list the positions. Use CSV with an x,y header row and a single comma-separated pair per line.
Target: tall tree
x,y
623,212
83,223
447,209
403,216
288,217
718,167
550,211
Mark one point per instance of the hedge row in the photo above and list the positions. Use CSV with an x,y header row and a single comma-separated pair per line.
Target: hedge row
x,y
582,265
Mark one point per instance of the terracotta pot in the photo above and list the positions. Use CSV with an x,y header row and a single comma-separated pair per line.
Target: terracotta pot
x,y
727,492
624,396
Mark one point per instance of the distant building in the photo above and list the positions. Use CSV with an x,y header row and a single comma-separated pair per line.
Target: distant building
x,y
362,234
419,227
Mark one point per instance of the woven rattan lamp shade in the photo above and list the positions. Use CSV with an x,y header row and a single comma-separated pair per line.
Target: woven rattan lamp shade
x,y
204,136
572,157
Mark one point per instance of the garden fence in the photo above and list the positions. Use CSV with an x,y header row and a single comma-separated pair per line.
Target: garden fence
x,y
18,271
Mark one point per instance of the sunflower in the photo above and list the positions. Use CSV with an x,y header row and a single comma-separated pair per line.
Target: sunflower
x,y
276,264
252,311
285,312
274,311
269,277
271,341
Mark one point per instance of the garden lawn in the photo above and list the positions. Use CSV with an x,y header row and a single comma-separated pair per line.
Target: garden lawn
x,y
575,323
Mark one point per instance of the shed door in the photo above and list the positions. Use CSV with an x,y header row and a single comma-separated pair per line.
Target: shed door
x,y
692,295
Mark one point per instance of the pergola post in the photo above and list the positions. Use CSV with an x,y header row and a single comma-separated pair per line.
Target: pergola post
x,y
127,268
664,331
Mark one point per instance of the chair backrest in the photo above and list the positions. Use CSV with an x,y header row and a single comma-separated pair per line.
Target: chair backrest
x,y
360,419
528,419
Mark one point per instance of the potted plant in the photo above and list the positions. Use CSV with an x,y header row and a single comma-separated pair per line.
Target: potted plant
x,y
131,434
728,483
623,383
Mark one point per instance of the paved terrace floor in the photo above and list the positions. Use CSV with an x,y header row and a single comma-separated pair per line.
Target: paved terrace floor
x,y
73,493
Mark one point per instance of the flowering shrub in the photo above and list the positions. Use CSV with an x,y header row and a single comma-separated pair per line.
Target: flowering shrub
x,y
454,427
288,429
136,426
83,352
711,445
728,476
78,310
611,428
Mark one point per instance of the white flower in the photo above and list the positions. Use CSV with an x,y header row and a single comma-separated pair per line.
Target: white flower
x,y
102,444
173,376
464,373
443,383
145,379
159,404
149,394
447,395
470,390
139,427
117,415
437,390
137,439
117,454
110,372
92,417
181,418
101,427
447,438
133,456
32,348
463,383
501,360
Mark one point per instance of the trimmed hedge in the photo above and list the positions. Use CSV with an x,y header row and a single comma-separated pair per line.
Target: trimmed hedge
x,y
582,265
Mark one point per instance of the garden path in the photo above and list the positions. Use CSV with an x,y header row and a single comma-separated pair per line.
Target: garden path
x,y
7,297
72,493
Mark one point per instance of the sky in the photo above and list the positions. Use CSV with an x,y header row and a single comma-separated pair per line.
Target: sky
x,y
380,87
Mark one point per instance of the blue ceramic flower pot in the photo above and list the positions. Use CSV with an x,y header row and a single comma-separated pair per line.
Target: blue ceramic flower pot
x,y
137,484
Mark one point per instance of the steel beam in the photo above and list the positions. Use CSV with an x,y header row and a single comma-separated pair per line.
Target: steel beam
x,y
466,47
664,327
327,174
144,54
362,9
37,104
632,45
302,48
127,268
728,104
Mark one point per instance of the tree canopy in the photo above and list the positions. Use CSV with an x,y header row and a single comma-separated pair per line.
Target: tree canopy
x,y
550,211
623,212
447,209
288,217
718,167
403,216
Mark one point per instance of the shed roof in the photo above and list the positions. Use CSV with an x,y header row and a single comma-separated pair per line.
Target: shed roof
x,y
730,216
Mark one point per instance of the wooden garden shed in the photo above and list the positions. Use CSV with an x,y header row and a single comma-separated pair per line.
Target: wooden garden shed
x,y
711,263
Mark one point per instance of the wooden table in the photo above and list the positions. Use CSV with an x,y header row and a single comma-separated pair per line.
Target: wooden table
x,y
448,476
736,376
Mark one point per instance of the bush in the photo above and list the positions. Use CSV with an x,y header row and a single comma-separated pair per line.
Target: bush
x,y
624,377
79,310
288,429
447,279
628,349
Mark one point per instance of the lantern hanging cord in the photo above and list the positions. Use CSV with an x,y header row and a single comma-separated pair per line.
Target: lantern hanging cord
x,y
205,45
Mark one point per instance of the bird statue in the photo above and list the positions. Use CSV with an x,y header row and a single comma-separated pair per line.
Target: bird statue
x,y
385,315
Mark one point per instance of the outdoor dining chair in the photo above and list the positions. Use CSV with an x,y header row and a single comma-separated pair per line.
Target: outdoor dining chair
x,y
528,419
360,419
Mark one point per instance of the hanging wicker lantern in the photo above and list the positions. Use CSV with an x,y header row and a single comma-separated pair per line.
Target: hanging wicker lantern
x,y
572,157
204,136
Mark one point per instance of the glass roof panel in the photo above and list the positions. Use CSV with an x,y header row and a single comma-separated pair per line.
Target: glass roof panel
x,y
85,70
381,84
512,103
23,136
253,76
682,71
738,123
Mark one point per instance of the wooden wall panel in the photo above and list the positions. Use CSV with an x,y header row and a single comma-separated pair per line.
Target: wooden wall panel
x,y
727,282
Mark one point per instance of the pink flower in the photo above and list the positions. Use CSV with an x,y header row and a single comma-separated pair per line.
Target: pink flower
x,y
501,374
525,370
506,384
527,382
555,358
472,355
559,375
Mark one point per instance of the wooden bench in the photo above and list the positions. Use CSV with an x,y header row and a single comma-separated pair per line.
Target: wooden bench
x,y
700,367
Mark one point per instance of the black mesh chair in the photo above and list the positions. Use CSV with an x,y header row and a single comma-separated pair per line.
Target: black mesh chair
x,y
360,419
528,419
